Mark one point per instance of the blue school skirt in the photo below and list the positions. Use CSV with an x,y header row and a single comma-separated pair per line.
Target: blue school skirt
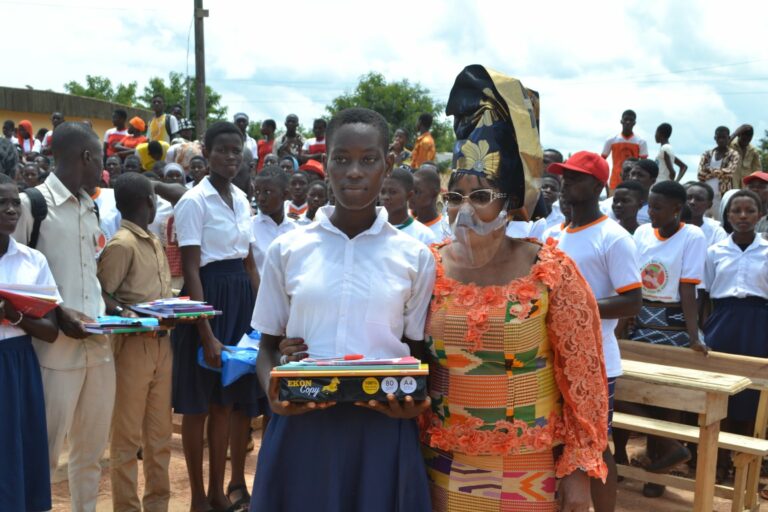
x,y
343,459
739,326
25,483
226,287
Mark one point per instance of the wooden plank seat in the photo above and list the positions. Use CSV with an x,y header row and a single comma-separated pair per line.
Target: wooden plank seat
x,y
753,368
749,452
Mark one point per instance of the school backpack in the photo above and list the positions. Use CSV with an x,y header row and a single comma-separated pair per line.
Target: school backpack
x,y
39,209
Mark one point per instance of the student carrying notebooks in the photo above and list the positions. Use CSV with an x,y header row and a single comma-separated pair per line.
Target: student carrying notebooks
x,y
24,476
344,457
132,269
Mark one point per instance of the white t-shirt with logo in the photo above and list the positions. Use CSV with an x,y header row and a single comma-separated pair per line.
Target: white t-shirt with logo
x,y
607,258
667,262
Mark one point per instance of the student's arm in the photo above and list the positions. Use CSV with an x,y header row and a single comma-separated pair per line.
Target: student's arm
x,y
268,358
691,313
733,164
624,305
113,267
252,271
44,328
190,265
171,192
668,162
683,167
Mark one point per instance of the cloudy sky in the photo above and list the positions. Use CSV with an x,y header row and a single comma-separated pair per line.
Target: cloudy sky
x,y
695,64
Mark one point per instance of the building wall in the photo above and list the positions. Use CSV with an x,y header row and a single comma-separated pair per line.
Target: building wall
x,y
37,106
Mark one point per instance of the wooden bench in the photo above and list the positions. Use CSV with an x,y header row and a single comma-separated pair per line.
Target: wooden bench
x,y
749,453
755,369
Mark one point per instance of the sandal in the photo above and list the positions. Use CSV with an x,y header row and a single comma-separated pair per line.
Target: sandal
x,y
764,493
241,504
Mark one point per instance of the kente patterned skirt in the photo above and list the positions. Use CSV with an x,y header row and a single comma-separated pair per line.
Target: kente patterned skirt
x,y
661,323
491,483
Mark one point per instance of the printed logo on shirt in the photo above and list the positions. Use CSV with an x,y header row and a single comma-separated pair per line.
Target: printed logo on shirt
x,y
654,276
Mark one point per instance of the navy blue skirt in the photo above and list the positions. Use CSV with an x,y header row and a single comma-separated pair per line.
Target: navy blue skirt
x,y
226,287
725,331
343,459
25,483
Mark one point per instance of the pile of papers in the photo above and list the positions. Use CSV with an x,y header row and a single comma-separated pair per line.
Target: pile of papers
x,y
180,307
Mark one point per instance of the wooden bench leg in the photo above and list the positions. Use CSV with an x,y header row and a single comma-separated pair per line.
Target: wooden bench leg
x,y
706,465
751,485
742,462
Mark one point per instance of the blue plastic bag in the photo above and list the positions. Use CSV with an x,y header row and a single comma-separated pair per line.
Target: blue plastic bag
x,y
235,362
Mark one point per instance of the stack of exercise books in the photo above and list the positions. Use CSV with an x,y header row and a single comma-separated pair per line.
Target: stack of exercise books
x,y
351,378
122,325
178,307
34,301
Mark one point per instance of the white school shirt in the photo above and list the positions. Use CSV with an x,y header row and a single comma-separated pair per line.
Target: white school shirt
x,y
556,216
664,263
342,296
420,232
664,173
109,215
22,265
606,256
731,272
163,211
440,228
642,213
526,229
264,231
553,232
204,219
713,231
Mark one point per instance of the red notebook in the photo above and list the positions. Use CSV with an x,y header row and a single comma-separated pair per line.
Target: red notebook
x,y
33,305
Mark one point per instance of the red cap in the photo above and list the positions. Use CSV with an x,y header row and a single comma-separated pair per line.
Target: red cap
x,y
586,162
313,166
757,175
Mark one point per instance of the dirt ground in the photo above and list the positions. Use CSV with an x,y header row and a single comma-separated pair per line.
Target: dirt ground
x,y
630,498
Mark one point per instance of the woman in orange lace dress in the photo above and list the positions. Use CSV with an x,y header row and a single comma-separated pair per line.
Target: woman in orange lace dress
x,y
517,377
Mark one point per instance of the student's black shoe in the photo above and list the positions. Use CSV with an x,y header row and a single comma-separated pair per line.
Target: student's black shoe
x,y
653,490
670,460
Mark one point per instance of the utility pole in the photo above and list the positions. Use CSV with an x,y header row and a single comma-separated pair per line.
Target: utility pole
x,y
200,100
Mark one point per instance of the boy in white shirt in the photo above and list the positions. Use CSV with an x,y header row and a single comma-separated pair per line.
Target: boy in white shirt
x,y
395,193
700,199
423,202
298,185
606,256
666,159
270,189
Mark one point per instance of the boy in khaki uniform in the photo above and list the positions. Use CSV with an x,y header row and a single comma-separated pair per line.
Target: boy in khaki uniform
x,y
133,268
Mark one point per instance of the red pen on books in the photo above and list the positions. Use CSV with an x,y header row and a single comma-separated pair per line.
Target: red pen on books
x,y
347,357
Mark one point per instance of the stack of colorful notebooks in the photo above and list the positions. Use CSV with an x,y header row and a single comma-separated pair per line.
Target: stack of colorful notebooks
x,y
122,325
180,307
351,379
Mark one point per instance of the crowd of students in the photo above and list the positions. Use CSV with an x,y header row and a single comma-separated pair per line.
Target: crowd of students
x,y
349,242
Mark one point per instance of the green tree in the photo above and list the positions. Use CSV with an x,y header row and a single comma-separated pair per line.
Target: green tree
x,y
175,91
762,148
400,103
254,129
101,88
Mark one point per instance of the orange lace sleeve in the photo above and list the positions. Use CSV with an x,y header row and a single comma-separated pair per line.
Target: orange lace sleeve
x,y
574,330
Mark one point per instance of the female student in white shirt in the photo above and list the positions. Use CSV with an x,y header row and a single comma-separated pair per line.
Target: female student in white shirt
x,y
213,227
671,258
24,474
349,283
736,278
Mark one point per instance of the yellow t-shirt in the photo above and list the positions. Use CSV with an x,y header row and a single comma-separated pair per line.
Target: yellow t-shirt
x,y
142,151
